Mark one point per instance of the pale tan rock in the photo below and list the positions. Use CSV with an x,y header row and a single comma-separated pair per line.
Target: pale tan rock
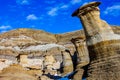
x,y
49,60
78,75
38,35
103,44
81,51
56,65
67,63
82,56
24,60
28,42
4,63
51,72
45,78
16,72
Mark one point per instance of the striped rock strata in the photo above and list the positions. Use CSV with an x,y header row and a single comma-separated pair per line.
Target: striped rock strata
x,y
103,44
82,56
29,53
36,58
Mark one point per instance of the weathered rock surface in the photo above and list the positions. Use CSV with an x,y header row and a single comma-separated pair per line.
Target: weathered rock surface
x,y
16,72
39,55
60,55
103,44
34,54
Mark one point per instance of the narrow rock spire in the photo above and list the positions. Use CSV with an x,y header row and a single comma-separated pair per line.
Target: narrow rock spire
x,y
82,56
81,51
103,45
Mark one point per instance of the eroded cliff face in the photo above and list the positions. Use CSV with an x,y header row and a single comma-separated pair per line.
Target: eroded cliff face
x,y
102,42
30,56
27,54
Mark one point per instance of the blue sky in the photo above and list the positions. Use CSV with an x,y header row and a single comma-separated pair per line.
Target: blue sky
x,y
51,15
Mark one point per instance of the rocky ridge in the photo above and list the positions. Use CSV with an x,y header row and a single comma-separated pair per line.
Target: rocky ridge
x,y
38,55
33,53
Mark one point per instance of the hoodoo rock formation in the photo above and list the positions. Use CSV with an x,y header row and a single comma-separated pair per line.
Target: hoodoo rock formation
x,y
27,54
103,44
81,55
30,56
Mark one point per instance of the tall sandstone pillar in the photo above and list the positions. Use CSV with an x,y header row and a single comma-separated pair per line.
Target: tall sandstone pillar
x,y
103,45
81,51
82,56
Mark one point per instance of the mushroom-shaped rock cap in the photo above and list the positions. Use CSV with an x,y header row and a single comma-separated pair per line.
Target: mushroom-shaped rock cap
x,y
91,4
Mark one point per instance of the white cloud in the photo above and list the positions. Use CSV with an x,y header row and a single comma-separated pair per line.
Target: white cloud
x,y
31,17
3,31
53,11
4,28
23,2
84,3
75,1
113,10
64,6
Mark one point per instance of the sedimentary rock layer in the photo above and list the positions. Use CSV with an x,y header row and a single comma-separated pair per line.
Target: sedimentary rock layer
x,y
23,50
103,44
